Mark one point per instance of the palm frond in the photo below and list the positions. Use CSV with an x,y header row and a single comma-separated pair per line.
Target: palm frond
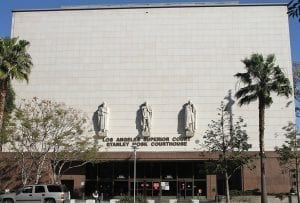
x,y
16,63
265,78
268,101
247,99
3,74
250,89
244,77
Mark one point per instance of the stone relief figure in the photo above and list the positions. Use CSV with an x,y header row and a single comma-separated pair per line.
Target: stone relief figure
x,y
101,120
190,119
146,119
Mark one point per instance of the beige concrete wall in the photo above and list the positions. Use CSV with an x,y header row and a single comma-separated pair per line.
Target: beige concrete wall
x,y
165,56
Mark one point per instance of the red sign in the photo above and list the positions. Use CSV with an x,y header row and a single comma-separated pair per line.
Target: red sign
x,y
156,186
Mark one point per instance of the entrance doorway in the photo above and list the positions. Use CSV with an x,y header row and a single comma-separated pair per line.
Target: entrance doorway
x,y
185,188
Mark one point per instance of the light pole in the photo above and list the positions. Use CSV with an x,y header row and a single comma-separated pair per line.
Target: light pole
x,y
134,147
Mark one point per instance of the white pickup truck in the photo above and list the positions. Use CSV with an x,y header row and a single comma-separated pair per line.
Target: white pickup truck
x,y
38,194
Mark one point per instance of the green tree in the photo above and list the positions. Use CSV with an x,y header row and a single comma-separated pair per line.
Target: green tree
x,y
15,63
294,9
48,133
262,77
230,141
288,155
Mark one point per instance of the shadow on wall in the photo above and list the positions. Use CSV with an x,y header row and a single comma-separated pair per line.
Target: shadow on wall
x,y
230,102
138,120
180,121
95,121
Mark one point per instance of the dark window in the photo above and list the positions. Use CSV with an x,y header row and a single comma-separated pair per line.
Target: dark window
x,y
56,188
105,170
140,170
185,169
169,188
121,170
27,189
90,187
39,189
200,188
105,187
188,188
152,170
148,170
200,170
91,171
235,182
121,188
156,170
169,170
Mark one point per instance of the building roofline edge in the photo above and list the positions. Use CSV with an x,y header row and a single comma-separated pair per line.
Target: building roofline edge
x,y
144,6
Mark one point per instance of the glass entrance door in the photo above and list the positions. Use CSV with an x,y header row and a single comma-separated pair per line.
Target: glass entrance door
x,y
185,188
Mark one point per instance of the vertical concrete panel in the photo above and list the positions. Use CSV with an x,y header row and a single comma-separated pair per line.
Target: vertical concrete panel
x,y
211,186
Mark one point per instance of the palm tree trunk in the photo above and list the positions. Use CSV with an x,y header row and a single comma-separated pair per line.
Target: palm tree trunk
x,y
3,92
264,198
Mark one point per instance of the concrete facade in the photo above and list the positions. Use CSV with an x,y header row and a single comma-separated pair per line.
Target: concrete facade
x,y
165,55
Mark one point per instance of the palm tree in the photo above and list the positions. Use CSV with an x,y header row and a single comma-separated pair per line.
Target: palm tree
x,y
262,77
294,9
15,63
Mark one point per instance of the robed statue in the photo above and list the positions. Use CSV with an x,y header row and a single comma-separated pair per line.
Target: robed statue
x,y
101,120
190,119
146,120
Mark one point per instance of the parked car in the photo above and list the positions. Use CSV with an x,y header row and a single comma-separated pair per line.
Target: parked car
x,y
38,194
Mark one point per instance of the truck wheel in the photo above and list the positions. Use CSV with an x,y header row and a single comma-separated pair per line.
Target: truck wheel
x,y
49,201
8,201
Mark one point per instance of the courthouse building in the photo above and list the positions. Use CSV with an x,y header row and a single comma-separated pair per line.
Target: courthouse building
x,y
153,76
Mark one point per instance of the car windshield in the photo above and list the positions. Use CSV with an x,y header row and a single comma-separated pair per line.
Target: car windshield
x,y
56,188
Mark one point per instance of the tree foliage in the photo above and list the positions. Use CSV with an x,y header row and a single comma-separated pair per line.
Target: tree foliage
x,y
15,63
287,151
48,133
289,156
294,9
230,141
